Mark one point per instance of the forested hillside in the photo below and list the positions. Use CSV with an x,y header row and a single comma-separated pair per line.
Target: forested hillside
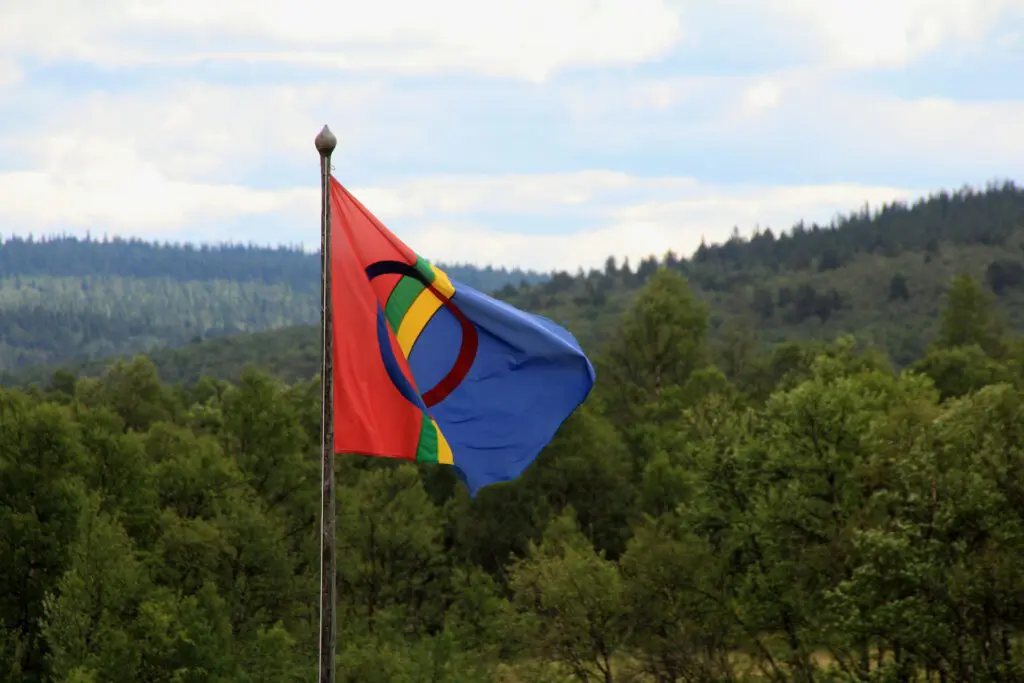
x,y
880,275
713,513
66,298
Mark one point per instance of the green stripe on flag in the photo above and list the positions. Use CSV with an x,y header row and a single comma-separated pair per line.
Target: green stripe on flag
x,y
423,265
402,296
427,449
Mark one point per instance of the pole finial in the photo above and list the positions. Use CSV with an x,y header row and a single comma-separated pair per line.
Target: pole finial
x,y
325,141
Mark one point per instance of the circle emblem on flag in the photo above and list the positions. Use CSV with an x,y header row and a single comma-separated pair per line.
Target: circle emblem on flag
x,y
467,350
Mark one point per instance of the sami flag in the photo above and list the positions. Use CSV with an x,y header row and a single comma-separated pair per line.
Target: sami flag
x,y
430,370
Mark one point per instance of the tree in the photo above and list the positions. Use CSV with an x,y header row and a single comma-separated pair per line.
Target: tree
x,y
40,499
763,304
647,268
135,391
1004,274
961,370
96,597
570,603
611,268
390,560
683,627
898,290
586,456
970,318
829,260
737,352
662,340
934,578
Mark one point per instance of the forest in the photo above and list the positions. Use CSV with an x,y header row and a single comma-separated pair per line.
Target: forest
x,y
65,298
717,511
881,273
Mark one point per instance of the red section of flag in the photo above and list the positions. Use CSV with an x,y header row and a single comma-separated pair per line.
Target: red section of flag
x,y
371,417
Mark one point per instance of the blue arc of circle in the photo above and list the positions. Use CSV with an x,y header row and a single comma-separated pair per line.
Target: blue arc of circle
x,y
394,371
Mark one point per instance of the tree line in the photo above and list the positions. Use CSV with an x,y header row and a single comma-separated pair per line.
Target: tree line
x,y
879,272
712,513
298,268
67,299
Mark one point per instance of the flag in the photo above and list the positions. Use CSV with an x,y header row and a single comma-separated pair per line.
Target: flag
x,y
428,369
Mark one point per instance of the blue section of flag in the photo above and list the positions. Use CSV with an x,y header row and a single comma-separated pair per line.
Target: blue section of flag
x,y
528,376
394,371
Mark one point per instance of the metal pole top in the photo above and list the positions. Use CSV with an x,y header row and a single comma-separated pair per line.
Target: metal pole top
x,y
325,142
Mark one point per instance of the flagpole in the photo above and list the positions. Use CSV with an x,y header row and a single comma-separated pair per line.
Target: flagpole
x,y
325,144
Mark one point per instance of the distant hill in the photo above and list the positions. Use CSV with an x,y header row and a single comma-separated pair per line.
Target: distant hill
x,y
291,353
878,274
66,298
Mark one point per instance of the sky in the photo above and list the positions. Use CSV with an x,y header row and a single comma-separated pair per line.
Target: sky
x,y
543,134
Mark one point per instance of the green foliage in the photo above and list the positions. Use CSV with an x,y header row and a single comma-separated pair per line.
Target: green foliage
x,y
94,599
661,342
970,317
716,511
211,311
570,603
64,298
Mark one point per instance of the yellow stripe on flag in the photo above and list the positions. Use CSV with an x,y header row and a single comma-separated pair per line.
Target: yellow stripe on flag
x,y
444,450
441,282
416,318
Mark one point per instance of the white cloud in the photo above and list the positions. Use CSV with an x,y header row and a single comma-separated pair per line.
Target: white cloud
x,y
966,137
530,39
630,216
193,130
763,95
806,116
892,33
1008,40
507,193
144,204
147,162
159,158
688,211
10,72
527,38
